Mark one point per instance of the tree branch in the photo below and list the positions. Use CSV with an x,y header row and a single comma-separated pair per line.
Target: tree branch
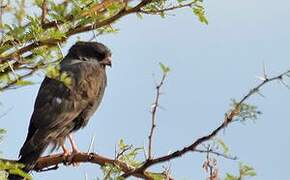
x,y
191,148
51,162
73,31
153,115
14,82
43,12
180,6
210,151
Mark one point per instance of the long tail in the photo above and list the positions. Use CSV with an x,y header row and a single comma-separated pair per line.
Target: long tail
x,y
29,160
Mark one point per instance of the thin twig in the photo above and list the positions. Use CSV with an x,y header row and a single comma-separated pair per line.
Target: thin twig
x,y
117,156
153,115
210,165
14,82
6,112
43,12
1,23
180,6
216,153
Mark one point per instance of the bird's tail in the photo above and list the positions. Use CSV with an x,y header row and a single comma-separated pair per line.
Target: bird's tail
x,y
29,160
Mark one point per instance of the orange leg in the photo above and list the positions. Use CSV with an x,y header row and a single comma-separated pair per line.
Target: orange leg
x,y
75,149
65,150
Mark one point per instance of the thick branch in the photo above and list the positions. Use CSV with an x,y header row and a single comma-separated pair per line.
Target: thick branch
x,y
45,163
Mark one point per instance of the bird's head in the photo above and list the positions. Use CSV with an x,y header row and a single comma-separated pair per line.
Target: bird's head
x,y
91,50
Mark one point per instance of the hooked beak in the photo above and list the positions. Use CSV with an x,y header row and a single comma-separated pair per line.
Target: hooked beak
x,y
107,61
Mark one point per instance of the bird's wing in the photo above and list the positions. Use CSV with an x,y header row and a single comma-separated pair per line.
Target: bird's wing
x,y
57,105
95,85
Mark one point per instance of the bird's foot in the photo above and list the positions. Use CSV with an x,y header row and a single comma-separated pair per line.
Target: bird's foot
x,y
75,151
67,156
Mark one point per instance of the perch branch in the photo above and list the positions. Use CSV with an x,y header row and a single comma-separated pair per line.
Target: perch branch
x,y
52,162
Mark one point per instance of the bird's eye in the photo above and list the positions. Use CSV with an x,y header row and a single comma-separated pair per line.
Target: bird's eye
x,y
100,55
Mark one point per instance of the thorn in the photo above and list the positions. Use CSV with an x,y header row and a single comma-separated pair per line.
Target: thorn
x,y
86,176
62,54
154,79
162,108
264,71
284,84
91,143
153,106
145,153
261,78
14,73
6,112
258,92
115,151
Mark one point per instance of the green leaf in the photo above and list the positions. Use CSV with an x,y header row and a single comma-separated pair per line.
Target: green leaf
x,y
66,79
245,111
14,168
200,13
246,170
180,1
157,176
2,132
231,177
139,15
122,144
165,69
223,145
24,83
53,71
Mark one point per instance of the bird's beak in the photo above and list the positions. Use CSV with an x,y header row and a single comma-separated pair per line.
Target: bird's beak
x,y
107,61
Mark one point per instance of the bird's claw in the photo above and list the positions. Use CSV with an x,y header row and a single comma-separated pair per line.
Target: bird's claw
x,y
70,159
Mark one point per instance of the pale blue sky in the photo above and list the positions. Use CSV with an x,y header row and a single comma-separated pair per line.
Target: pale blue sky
x,y
210,65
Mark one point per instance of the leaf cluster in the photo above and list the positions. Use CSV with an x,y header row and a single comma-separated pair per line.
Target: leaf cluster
x,y
244,171
245,111
33,32
12,168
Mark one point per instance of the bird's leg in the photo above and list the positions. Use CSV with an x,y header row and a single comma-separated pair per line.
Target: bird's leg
x,y
75,149
65,151
65,154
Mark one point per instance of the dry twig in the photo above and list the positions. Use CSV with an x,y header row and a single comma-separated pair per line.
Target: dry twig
x,y
153,115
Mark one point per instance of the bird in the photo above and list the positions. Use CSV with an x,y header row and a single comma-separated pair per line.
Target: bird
x,y
62,108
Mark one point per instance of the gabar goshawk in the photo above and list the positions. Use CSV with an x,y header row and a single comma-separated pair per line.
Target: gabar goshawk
x,y
61,109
